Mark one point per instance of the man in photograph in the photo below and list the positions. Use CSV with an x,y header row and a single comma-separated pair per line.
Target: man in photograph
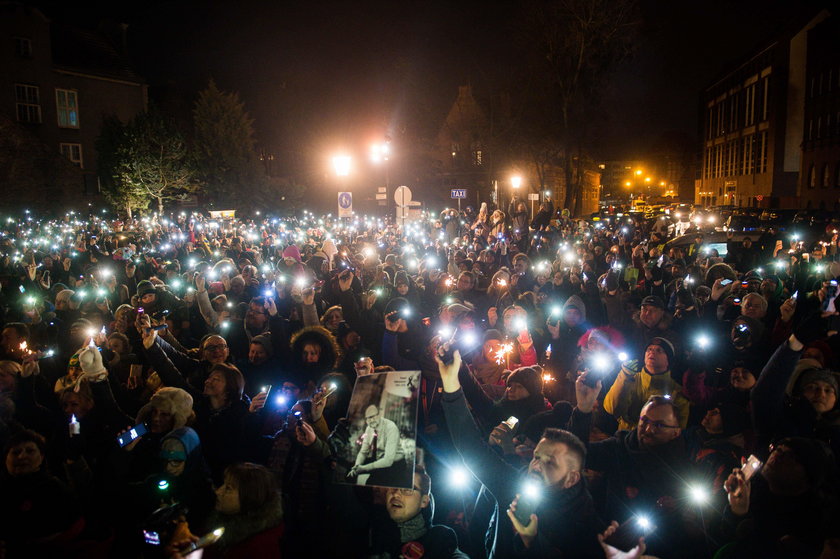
x,y
380,460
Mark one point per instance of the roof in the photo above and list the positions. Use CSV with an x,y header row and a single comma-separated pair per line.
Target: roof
x,y
89,52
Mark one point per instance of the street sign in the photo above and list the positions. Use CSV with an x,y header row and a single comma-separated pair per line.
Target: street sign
x,y
345,204
381,196
533,196
458,193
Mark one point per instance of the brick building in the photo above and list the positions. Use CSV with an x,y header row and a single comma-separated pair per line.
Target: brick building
x,y
58,82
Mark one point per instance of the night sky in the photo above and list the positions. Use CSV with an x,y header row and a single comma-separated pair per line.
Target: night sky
x,y
324,75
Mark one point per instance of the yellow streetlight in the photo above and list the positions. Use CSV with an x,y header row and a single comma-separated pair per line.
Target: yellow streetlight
x,y
661,183
647,179
638,172
628,184
516,181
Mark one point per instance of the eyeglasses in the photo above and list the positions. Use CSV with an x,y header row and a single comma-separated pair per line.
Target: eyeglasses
x,y
407,492
216,347
656,425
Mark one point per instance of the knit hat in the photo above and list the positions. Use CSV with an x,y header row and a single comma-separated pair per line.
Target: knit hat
x,y
174,401
265,341
63,295
145,287
666,346
528,377
575,302
653,301
814,375
401,278
493,334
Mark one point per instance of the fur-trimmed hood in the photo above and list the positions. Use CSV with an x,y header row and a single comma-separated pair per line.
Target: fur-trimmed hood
x,y
330,352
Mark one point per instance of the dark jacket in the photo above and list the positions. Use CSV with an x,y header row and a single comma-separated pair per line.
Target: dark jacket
x,y
568,524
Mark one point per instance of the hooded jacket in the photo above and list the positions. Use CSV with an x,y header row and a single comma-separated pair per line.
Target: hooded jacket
x,y
633,387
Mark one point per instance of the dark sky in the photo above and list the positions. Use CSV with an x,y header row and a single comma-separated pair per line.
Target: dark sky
x,y
343,73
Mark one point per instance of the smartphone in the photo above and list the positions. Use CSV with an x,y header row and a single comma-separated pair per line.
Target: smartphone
x,y
160,327
511,422
525,507
151,538
726,282
140,310
626,537
751,466
266,389
132,434
204,541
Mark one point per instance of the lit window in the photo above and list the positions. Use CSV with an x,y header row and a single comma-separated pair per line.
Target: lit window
x,y
826,176
27,103
67,108
73,152
477,158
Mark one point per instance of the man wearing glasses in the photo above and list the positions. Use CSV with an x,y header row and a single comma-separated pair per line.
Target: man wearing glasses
x,y
380,460
647,471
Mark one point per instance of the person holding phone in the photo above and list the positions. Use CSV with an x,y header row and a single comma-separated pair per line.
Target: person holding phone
x,y
548,507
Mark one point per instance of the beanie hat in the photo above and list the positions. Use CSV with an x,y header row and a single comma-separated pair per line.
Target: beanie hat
x,y
145,287
666,346
703,291
265,341
575,302
169,399
63,295
653,301
493,334
401,278
812,375
528,377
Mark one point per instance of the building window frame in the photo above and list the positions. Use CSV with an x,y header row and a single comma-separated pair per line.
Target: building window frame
x,y
28,103
67,108
812,176
73,153
23,47
826,175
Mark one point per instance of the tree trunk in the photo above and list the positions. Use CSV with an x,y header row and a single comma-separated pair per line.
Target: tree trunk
x,y
160,205
128,211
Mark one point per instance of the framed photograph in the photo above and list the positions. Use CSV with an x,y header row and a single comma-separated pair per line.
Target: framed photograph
x,y
382,423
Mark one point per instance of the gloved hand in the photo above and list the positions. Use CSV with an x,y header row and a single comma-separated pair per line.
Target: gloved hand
x,y
90,360
631,367
811,328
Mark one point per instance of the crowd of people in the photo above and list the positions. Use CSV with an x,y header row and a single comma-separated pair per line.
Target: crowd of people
x,y
179,382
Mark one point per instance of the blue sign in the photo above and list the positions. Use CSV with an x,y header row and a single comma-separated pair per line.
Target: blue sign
x,y
457,193
345,200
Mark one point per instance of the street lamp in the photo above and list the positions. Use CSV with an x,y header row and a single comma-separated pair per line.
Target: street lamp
x,y
341,164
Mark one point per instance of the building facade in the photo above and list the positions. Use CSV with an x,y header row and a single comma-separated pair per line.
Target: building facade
x,y
58,82
752,125
819,177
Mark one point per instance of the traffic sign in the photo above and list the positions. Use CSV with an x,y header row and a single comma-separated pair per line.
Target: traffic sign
x,y
345,204
458,193
533,196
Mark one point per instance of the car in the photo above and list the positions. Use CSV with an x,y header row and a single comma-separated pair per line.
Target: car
x,y
713,240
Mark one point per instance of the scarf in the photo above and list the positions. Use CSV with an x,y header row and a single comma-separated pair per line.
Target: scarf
x,y
413,529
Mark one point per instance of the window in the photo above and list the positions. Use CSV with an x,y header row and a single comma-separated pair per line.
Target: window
x,y
761,155
749,105
477,158
67,108
765,99
837,175
826,176
27,103
749,154
23,47
812,176
73,152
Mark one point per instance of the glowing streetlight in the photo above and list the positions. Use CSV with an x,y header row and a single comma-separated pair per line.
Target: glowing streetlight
x,y
516,181
341,164
628,184
638,172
